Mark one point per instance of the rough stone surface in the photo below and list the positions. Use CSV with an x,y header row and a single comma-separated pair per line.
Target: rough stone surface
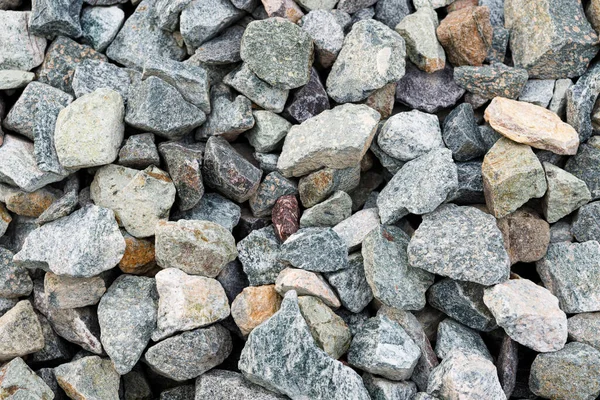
x,y
51,18
22,49
139,256
89,378
139,151
565,193
315,249
20,332
538,92
558,104
100,25
184,165
306,283
314,188
258,253
67,292
453,336
326,33
351,284
285,216
272,188
309,100
584,327
219,384
461,134
15,79
489,81
419,32
253,306
229,116
93,74
268,131
223,49
18,381
383,389
330,212
214,208
584,165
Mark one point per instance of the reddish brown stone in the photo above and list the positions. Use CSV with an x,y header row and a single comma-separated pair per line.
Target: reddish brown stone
x,y
286,216
526,235
466,35
508,361
283,8
382,100
139,257
30,204
460,4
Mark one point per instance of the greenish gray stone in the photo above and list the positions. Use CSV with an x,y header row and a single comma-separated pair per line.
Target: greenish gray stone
x,y
580,100
215,208
218,384
92,74
184,165
167,13
55,18
558,104
493,80
565,193
266,161
11,79
391,12
326,33
22,50
585,165
355,228
585,225
461,134
223,49
20,382
229,116
246,82
89,378
14,280
383,389
419,32
268,131
470,184
100,25
258,253
351,284
314,188
329,212
453,336
315,249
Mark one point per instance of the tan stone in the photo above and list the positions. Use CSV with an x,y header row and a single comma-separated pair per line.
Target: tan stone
x,y
382,100
139,257
5,219
306,283
253,306
532,125
592,12
460,4
30,204
526,235
283,8
68,292
466,35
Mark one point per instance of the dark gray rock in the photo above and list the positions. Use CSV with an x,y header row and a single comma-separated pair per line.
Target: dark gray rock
x,y
135,385
538,92
139,151
223,49
351,284
580,100
55,348
185,392
493,80
259,254
383,389
470,184
507,364
55,18
391,12
461,133
20,382
352,6
453,336
7,304
489,136
184,165
585,165
100,25
93,74
309,100
89,378
215,208
585,225
272,187
462,243
246,82
47,375
558,104
315,249
499,45
219,384
266,161
14,280
233,279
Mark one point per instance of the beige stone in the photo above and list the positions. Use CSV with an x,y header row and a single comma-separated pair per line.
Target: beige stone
x,y
253,306
306,283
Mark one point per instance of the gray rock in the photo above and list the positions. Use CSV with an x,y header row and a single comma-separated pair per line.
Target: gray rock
x,y
558,104
233,279
429,92
139,151
462,243
584,225
496,11
136,386
20,332
52,18
383,389
584,165
100,25
259,254
565,193
470,184
278,52
167,13
315,249
355,228
584,327
14,280
229,116
391,165
317,186
499,45
351,284
326,33
6,305
371,57
313,374
22,49
580,99
538,92
10,79
127,317
89,378
330,212
462,301
377,334
561,232
185,392
223,49
229,172
184,165
461,134
309,100
190,354
489,136
422,46
246,82
266,161
317,4
570,373
141,38
391,12
393,281
419,187
219,384
408,135
268,131
47,375
157,107
92,74
493,80
272,187
352,6
20,382
453,336
67,292
214,208
84,244
55,348
528,313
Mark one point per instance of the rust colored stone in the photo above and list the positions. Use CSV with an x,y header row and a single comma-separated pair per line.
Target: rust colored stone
x,y
30,204
139,257
253,306
466,35
382,100
286,217
284,9
526,235
460,4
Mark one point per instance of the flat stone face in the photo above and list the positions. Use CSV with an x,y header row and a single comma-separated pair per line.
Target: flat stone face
x,y
20,332
565,194
89,378
22,49
572,372
528,313
258,253
139,151
66,292
583,328
215,208
313,374
184,164
278,51
19,381
315,249
336,138
419,32
326,33
330,212
526,235
380,388
538,92
462,135
489,81
220,384
100,25
54,18
268,132
84,244
455,337
462,243
371,57
92,74
14,280
229,116
550,40
306,283
10,79
253,306
351,284
245,81
584,166
223,49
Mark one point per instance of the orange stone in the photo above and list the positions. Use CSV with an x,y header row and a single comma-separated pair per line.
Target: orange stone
x,y
253,306
139,257
30,204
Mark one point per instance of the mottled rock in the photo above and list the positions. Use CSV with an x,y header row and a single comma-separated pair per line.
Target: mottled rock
x,y
89,378
5,219
558,104
229,116
584,165
383,389
351,284
565,193
203,20
10,79
18,381
184,392
580,99
22,49
67,292
309,100
268,131
258,253
391,12
355,228
315,249
92,74
272,188
528,313
330,212
526,235
584,328
419,32
51,18
455,337
223,49
20,332
100,25
470,184
215,208
30,204
326,33
493,80
260,92
461,134
139,256
317,186
538,92
167,13
306,283
266,161
317,4
55,348
253,306
184,165
139,151
285,217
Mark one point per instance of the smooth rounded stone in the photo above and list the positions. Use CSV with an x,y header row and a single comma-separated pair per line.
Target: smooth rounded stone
x,y
351,284
309,100
584,327
470,184
558,104
156,106
461,134
184,165
571,272
462,243
570,373
465,376
194,246
455,337
313,374
55,18
306,283
463,301
512,175
139,151
89,378
139,199
14,280
100,25
253,306
538,92
493,80
92,74
419,32
272,188
315,249
20,332
532,125
330,212
218,384
314,188
13,79
337,138
419,187
228,171
31,204
383,389
371,57
584,165
67,292
215,208
278,52
526,235
408,135
529,314
285,217
190,354
22,50
89,131
393,281
258,252
127,317
184,392
55,348
551,40
81,245
566,193
260,92
223,49
18,381
326,33
355,228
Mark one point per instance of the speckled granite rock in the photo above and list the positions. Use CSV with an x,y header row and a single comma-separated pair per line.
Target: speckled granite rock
x,y
89,378
258,253
419,32
17,380
493,80
461,134
214,208
20,332
455,337
184,165
220,384
583,165
23,50
100,25
309,100
315,249
565,194
351,284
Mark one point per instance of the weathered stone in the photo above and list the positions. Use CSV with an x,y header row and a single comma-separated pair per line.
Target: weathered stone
x,y
306,283
18,381
512,175
187,302
215,208
100,25
67,292
89,378
92,74
558,104
566,193
330,212
20,332
309,100
391,12
220,384
10,79
526,235
419,187
461,134
268,131
584,165
470,184
253,306
264,95
22,50
351,284
81,245
383,389
258,253
393,281
285,217
315,249
528,313
538,92
139,151
355,228
52,18
30,204
371,57
272,188
139,199
317,186
419,32
266,161
321,377
317,4
453,336
229,116
489,81
184,164
584,328
326,33
223,49
570,373
55,348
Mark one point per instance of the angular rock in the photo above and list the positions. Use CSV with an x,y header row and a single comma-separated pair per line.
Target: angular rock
x,y
538,92
272,188
15,79
391,12
558,104
565,193
528,313
67,292
18,381
354,229
55,348
317,186
285,216
455,337
22,49
52,18
268,131
100,25
92,74
419,32
223,49
306,283
326,33
461,134
215,208
260,92
584,327
30,204
220,384
89,378
184,164
253,306
352,6
184,392
167,13
258,253
317,4
382,100
309,100
351,284
315,249
584,165
580,99
489,81
470,184
330,212
139,151
526,235
139,256
20,332
229,117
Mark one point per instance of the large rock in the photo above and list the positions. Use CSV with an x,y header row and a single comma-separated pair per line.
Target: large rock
x,y
84,244
315,249
371,57
214,208
65,292
18,381
311,373
91,74
419,32
20,332
489,81
89,378
351,284
22,49
453,336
